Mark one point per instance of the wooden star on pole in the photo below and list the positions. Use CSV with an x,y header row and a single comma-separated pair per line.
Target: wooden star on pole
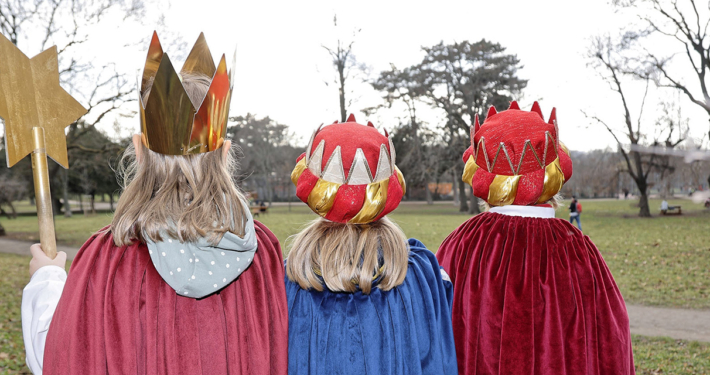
x,y
30,96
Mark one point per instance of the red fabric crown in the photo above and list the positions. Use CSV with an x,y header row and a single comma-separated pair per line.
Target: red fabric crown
x,y
348,173
516,157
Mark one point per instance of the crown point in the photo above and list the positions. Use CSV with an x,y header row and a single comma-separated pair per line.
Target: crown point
x,y
335,122
491,111
200,59
476,125
514,105
386,134
370,124
351,118
553,117
536,108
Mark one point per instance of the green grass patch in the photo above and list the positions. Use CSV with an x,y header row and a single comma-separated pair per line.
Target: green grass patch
x,y
662,355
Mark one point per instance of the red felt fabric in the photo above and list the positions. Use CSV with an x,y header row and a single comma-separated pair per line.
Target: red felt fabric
x,y
513,128
350,136
533,296
117,316
481,183
530,188
305,185
348,202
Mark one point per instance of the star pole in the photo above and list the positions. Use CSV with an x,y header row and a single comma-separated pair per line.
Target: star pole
x,y
36,109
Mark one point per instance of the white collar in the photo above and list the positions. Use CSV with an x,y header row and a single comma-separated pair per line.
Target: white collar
x,y
525,211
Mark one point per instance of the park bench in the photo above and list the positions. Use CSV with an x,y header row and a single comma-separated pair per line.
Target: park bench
x,y
256,210
672,210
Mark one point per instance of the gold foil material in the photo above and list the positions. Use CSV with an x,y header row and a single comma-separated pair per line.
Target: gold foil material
x,y
322,197
210,125
199,61
30,96
169,114
152,61
375,200
502,190
171,123
298,171
554,179
469,170
401,180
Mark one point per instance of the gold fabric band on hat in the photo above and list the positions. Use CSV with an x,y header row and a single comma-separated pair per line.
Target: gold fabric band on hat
x,y
400,178
502,190
468,171
298,171
554,179
375,199
321,198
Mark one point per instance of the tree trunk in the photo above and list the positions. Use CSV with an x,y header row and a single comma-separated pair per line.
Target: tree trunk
x,y
14,211
341,73
110,196
644,210
463,206
93,199
473,207
65,193
2,230
429,199
454,189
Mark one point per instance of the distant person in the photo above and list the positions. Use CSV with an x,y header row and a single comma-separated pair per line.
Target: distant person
x,y
664,206
575,210
361,298
183,281
531,295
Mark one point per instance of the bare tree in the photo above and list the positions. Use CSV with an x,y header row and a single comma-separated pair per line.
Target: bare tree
x,y
36,25
463,79
683,22
344,62
405,86
606,57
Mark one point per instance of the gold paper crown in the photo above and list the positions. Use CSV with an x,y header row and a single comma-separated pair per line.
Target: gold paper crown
x,y
172,124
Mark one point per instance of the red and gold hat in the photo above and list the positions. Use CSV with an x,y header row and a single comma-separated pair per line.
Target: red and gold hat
x,y
348,173
516,157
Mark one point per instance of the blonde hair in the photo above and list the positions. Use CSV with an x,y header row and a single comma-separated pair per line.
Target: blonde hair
x,y
346,256
188,197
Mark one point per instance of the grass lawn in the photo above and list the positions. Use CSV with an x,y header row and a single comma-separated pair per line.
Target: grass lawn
x,y
664,261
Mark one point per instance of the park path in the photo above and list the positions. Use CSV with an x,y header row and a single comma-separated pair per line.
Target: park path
x,y
682,324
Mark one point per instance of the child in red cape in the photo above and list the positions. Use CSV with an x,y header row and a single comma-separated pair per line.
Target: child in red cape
x,y
183,281
532,294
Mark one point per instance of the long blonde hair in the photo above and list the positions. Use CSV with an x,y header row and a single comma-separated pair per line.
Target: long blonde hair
x,y
186,196
346,256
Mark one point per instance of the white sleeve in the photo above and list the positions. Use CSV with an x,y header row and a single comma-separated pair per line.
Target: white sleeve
x,y
39,300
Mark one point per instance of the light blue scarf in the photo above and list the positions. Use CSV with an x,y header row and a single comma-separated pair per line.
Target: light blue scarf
x,y
199,269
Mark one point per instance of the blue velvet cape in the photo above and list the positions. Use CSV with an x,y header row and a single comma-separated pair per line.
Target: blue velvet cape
x,y
406,330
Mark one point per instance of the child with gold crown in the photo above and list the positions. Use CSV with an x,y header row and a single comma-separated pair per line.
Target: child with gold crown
x,y
362,298
532,294
183,281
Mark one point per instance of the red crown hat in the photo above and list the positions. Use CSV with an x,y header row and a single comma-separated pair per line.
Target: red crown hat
x,y
348,173
516,157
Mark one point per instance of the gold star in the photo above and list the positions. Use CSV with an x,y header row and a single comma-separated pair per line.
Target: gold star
x,y
30,96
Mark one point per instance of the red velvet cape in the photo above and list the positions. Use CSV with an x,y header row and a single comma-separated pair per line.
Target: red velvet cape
x,y
117,316
533,296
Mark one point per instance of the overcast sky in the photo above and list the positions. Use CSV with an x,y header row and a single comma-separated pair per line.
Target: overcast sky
x,y
281,66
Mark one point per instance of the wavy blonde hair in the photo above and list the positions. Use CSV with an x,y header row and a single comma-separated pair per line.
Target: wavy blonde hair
x,y
188,197
346,256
